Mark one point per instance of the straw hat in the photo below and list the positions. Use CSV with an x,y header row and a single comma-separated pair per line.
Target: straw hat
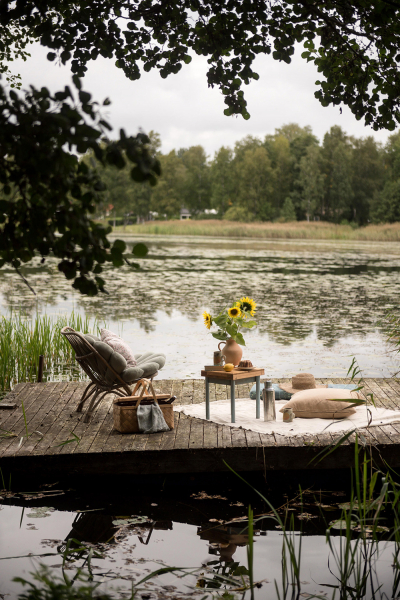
x,y
301,381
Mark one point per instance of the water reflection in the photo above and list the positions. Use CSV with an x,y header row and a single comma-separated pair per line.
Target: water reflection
x,y
312,297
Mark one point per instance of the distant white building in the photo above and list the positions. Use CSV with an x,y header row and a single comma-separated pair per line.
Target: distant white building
x,y
185,214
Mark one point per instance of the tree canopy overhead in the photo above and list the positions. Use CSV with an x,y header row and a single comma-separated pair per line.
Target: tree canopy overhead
x,y
354,43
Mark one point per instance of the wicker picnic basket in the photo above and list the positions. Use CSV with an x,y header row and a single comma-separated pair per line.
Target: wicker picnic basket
x,y
125,409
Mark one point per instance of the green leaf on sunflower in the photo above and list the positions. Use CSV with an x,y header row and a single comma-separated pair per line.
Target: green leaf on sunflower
x,y
221,320
231,329
239,339
248,324
220,335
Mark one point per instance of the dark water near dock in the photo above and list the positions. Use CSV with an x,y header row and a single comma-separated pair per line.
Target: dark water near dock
x,y
196,524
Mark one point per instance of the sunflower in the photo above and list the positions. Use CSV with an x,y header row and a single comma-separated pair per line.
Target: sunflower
x,y
234,312
247,305
207,319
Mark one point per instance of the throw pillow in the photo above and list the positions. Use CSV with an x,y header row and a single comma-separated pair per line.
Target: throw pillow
x,y
118,344
320,403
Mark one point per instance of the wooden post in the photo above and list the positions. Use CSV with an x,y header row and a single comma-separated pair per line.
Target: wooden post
x,y
40,369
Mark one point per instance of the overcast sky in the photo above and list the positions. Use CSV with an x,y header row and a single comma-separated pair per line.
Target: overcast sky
x,y
185,112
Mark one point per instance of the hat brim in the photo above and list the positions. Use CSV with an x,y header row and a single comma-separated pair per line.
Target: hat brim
x,y
287,387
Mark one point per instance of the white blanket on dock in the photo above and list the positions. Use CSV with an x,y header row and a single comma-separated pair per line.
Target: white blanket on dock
x,y
245,413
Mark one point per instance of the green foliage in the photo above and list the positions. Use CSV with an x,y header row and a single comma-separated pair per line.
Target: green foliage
x,y
196,189
48,195
231,320
23,340
288,212
354,45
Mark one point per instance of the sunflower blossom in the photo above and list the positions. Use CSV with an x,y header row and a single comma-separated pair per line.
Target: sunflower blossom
x,y
247,305
207,319
234,312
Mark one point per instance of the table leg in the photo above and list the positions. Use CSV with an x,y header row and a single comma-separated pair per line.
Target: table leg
x,y
258,397
232,402
207,399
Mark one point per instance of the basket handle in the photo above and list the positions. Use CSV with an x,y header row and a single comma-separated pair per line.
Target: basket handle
x,y
146,385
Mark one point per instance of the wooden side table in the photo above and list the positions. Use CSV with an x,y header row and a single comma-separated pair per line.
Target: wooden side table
x,y
232,378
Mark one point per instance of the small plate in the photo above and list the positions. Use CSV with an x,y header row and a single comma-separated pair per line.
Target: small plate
x,y
246,368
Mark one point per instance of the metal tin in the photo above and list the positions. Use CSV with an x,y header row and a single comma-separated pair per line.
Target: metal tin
x,y
288,415
268,396
219,358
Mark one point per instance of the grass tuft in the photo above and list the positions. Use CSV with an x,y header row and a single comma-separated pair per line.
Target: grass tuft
x,y
24,339
313,230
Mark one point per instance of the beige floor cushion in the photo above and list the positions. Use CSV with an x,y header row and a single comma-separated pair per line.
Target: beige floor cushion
x,y
320,403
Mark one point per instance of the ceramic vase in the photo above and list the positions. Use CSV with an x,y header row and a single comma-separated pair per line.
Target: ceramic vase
x,y
232,352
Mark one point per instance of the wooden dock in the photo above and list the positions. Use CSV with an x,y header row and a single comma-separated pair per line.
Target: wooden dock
x,y
194,446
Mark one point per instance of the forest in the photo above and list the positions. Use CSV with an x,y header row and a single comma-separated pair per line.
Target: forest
x,y
286,176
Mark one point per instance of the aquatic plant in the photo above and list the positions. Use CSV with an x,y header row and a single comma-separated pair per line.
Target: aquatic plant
x,y
313,230
23,339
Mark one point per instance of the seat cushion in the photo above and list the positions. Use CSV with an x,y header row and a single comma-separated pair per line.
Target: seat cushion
x,y
323,403
147,365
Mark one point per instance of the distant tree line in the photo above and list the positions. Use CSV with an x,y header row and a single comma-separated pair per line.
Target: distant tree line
x,y
287,176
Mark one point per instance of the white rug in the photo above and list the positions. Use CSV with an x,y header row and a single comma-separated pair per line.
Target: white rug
x,y
245,413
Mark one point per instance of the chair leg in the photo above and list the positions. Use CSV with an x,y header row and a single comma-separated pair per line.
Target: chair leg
x,y
91,407
97,398
85,396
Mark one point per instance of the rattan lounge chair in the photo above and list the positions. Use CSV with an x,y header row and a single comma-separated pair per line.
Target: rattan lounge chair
x,y
104,379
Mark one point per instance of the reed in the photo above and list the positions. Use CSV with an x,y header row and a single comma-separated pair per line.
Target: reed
x,y
23,339
313,230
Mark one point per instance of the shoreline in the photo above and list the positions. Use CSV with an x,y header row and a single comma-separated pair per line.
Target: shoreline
x,y
298,230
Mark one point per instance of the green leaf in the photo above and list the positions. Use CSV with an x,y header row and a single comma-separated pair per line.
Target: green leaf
x,y
220,335
239,339
140,250
118,246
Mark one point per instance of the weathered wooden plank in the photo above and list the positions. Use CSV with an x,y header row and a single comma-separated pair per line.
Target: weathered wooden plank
x,y
210,435
385,393
394,384
87,432
67,421
28,395
103,434
252,438
50,413
196,439
391,392
238,438
183,432
47,390
224,436
378,396
168,441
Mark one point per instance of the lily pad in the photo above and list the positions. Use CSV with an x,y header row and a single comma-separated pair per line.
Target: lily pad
x,y
40,512
342,524
137,520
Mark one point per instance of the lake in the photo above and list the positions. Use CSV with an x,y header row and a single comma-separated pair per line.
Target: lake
x,y
319,303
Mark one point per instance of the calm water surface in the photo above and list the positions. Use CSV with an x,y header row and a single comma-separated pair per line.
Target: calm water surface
x,y
184,527
319,302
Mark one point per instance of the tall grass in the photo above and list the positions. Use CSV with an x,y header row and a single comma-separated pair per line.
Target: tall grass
x,y
23,339
314,230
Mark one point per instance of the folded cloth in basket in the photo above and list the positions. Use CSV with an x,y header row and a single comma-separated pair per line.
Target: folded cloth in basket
x,y
150,419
